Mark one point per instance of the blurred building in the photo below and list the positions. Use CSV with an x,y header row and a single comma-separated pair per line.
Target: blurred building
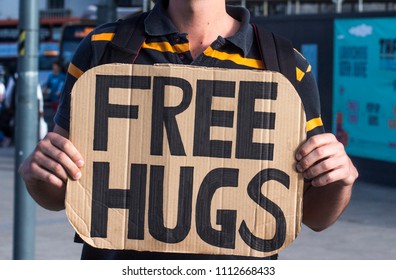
x,y
48,8
289,7
81,8
66,8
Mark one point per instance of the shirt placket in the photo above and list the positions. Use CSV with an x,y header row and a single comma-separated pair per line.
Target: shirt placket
x,y
185,57
203,60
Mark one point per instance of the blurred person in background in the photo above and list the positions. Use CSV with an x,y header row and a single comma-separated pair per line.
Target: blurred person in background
x,y
7,114
2,85
53,86
8,110
43,126
2,94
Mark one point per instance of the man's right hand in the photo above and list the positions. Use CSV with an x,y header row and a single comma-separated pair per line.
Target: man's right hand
x,y
47,169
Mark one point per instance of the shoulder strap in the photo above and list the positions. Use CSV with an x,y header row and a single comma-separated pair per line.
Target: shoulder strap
x,y
126,43
277,53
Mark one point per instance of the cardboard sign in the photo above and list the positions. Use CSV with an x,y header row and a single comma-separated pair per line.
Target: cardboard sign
x,y
186,159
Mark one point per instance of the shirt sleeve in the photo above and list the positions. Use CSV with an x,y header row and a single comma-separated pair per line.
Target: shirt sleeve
x,y
80,63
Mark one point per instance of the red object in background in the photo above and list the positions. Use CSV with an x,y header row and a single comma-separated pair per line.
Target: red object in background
x,y
341,134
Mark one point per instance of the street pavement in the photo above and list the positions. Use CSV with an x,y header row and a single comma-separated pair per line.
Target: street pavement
x,y
365,231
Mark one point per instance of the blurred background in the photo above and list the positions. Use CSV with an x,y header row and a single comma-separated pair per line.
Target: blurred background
x,y
351,45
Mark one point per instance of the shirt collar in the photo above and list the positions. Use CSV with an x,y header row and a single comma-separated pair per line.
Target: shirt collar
x,y
158,23
243,39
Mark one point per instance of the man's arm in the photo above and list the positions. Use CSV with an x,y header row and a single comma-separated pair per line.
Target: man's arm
x,y
322,160
47,169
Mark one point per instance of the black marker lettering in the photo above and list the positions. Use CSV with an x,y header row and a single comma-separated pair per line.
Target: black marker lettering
x,y
205,117
104,198
156,211
225,238
162,115
104,110
248,119
254,191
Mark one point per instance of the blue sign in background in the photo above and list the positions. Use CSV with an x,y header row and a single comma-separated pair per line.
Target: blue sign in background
x,y
364,97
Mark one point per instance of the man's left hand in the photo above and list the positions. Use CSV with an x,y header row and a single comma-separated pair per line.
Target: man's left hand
x,y
323,160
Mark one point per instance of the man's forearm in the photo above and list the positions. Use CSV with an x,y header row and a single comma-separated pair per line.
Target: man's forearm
x,y
322,206
47,195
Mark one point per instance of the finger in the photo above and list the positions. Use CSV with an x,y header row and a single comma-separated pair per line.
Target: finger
x,y
319,154
313,143
51,166
60,157
41,174
68,148
322,167
329,177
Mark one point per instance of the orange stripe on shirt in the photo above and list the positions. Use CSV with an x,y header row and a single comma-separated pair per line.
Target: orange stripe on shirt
x,y
166,47
74,71
236,58
102,37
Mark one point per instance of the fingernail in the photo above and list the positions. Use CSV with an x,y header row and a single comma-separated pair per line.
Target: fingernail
x,y
80,163
77,176
299,169
298,156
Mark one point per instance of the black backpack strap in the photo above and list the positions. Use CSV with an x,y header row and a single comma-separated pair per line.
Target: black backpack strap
x,y
277,53
127,41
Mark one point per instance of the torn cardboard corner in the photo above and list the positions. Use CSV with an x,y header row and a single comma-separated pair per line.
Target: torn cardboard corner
x,y
182,159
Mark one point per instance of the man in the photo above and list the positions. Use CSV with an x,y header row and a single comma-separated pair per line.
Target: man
x,y
204,33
